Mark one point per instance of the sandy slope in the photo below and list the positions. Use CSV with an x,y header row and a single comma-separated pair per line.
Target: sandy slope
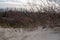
x,y
19,34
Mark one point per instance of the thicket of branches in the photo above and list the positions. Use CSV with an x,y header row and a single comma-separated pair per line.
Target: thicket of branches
x,y
25,19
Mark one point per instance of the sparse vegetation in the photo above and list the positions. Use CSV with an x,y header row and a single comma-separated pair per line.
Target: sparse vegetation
x,y
21,19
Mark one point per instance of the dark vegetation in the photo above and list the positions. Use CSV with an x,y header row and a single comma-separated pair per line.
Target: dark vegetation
x,y
25,19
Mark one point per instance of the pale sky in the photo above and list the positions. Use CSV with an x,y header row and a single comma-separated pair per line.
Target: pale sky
x,y
4,3
23,0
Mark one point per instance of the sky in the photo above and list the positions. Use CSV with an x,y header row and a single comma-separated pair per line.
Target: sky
x,y
16,3
23,0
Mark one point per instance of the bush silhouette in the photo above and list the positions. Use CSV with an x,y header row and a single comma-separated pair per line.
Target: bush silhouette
x,y
25,19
